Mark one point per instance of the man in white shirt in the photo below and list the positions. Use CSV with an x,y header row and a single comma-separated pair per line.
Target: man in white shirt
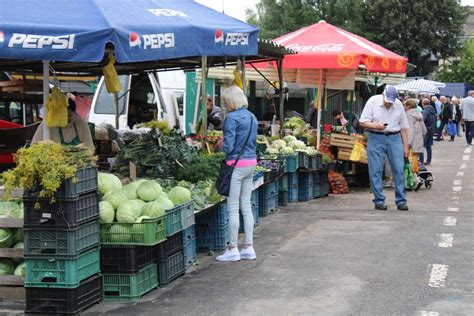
x,y
385,119
468,116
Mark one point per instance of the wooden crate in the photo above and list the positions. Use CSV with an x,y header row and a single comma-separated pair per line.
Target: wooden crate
x,y
342,140
345,154
11,286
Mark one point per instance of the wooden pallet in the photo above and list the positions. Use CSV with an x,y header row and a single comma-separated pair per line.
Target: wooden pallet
x,y
345,141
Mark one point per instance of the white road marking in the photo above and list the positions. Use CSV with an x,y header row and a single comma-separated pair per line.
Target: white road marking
x,y
455,197
457,188
463,166
450,221
465,157
460,174
456,202
453,209
438,275
467,150
445,240
457,182
426,313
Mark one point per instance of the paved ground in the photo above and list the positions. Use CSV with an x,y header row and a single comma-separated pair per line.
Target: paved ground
x,y
338,256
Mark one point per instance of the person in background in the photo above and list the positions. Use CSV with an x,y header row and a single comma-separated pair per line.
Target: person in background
x,y
468,116
457,108
74,133
385,119
436,105
312,116
443,116
416,132
342,120
240,132
429,118
215,115
452,115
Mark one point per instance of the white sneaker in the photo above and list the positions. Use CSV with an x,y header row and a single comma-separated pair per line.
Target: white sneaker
x,y
230,255
248,253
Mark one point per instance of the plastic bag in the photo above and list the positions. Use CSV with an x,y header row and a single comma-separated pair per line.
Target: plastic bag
x,y
452,129
56,107
410,181
112,81
357,151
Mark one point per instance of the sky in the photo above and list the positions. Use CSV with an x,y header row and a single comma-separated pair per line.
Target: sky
x,y
236,8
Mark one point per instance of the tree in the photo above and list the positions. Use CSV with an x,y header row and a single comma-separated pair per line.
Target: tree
x,y
422,30
460,69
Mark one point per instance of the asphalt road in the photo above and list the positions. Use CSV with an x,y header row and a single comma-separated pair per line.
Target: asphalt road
x,y
338,256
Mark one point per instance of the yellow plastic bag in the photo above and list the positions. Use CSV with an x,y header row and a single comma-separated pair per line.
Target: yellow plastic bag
x,y
56,109
112,81
357,151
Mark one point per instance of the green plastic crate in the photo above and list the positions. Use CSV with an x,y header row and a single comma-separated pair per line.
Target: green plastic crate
x,y
147,233
61,242
130,287
173,220
61,273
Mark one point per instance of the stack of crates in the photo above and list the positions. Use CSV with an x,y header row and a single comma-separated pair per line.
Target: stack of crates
x,y
324,183
320,184
283,190
305,186
62,240
212,228
189,234
268,198
292,187
255,200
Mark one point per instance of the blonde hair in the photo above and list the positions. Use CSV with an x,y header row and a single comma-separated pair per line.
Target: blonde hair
x,y
234,98
411,103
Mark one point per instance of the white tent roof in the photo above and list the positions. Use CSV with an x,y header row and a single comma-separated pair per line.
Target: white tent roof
x,y
421,86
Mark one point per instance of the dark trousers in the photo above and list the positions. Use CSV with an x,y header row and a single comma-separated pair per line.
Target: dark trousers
x,y
428,142
440,130
469,131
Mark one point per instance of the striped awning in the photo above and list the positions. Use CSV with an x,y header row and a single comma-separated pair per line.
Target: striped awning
x,y
421,86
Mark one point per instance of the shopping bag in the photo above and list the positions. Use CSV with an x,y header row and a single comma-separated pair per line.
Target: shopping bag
x,y
56,108
112,82
438,123
410,181
452,129
356,154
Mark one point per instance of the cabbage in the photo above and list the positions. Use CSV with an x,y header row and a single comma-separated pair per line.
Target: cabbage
x,y
20,245
271,151
163,194
287,151
279,143
116,198
6,238
153,209
17,212
311,151
19,235
139,229
106,212
10,209
120,233
108,182
128,212
6,266
179,195
149,191
297,144
289,138
166,202
131,190
140,202
20,269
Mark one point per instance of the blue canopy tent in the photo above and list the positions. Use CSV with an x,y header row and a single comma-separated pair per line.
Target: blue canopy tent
x,y
77,35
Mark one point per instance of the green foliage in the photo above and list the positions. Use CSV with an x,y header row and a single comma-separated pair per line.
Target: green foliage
x,y
460,69
201,168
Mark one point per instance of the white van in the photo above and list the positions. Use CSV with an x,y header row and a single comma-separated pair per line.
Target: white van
x,y
145,97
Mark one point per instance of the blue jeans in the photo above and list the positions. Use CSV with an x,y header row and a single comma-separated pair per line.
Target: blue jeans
x,y
391,146
241,186
469,131
428,142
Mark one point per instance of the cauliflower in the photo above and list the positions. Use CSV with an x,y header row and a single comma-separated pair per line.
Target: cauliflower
x,y
297,145
272,151
289,138
286,151
279,143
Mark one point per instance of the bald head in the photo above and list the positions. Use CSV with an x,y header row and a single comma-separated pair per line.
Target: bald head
x,y
443,99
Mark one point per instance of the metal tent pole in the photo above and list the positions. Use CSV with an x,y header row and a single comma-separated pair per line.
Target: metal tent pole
x,y
46,134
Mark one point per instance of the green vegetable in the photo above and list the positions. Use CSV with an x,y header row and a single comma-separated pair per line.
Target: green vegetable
x,y
20,245
128,212
179,195
279,143
116,198
149,191
19,235
289,138
153,209
131,190
106,212
166,202
287,151
297,144
20,269
120,233
10,209
108,182
6,238
7,267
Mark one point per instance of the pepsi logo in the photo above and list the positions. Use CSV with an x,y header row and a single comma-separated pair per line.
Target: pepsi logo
x,y
134,40
2,37
219,36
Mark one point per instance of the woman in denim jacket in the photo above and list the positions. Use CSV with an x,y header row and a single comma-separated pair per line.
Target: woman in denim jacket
x,y
237,126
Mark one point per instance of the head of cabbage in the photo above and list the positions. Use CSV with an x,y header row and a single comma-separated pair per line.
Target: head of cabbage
x,y
116,198
7,267
6,238
20,269
179,195
120,233
131,190
108,182
10,209
129,211
106,212
149,190
153,209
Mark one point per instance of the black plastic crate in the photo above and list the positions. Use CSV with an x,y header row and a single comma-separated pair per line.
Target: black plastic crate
x,y
215,239
215,217
84,181
64,301
62,213
324,176
268,189
172,245
126,259
170,268
317,177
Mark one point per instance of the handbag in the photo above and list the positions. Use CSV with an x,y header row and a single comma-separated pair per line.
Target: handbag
x,y
225,173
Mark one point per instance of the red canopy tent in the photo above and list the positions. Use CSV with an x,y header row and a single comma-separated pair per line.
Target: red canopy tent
x,y
324,47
